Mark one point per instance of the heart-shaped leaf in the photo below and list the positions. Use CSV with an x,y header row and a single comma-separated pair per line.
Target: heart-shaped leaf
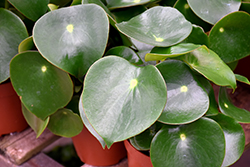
x,y
185,9
112,4
213,10
65,37
42,87
235,138
209,64
125,52
121,100
65,123
31,9
242,79
200,143
12,32
34,122
26,44
187,101
228,108
172,27
161,53
230,37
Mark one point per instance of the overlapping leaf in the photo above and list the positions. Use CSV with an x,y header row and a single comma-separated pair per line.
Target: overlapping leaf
x,y
121,100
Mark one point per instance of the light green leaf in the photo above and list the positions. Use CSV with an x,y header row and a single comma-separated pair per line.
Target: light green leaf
x,y
112,4
26,44
242,79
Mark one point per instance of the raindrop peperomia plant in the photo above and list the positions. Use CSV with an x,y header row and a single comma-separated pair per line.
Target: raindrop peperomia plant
x,y
137,70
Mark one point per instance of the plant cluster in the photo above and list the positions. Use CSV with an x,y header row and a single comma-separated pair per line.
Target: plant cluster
x,y
133,69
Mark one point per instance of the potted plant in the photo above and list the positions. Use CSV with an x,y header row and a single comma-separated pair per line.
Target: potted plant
x,y
137,68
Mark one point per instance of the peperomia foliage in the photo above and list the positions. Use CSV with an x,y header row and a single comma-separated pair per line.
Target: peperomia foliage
x,y
132,69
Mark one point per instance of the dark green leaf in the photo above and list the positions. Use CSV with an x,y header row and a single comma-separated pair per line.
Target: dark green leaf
x,y
209,64
199,144
197,36
31,9
12,32
43,88
230,37
235,138
112,4
143,29
228,108
161,53
65,123
213,10
65,37
187,101
26,44
245,6
121,100
125,52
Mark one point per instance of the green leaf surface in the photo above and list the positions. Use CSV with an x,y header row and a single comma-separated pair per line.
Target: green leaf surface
x,y
212,11
186,101
235,138
161,53
228,108
34,122
125,52
245,6
65,37
213,106
200,143
26,44
88,125
65,123
60,2
31,9
242,79
230,37
12,32
197,36
172,27
112,4
42,87
209,64
124,97
143,141
184,8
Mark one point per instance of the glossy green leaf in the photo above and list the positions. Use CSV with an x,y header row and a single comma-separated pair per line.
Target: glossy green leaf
x,y
186,101
209,64
143,141
172,27
65,37
242,79
197,36
34,122
212,11
245,6
12,32
60,2
200,143
26,44
88,125
125,52
65,123
31,9
42,87
235,138
213,107
228,108
184,8
161,53
230,37
112,4
123,99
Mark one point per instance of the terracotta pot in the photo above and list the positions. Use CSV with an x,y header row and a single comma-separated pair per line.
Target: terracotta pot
x,y
91,152
11,117
136,158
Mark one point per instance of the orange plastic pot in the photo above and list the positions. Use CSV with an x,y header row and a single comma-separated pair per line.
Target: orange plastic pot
x,y
91,152
11,117
136,158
